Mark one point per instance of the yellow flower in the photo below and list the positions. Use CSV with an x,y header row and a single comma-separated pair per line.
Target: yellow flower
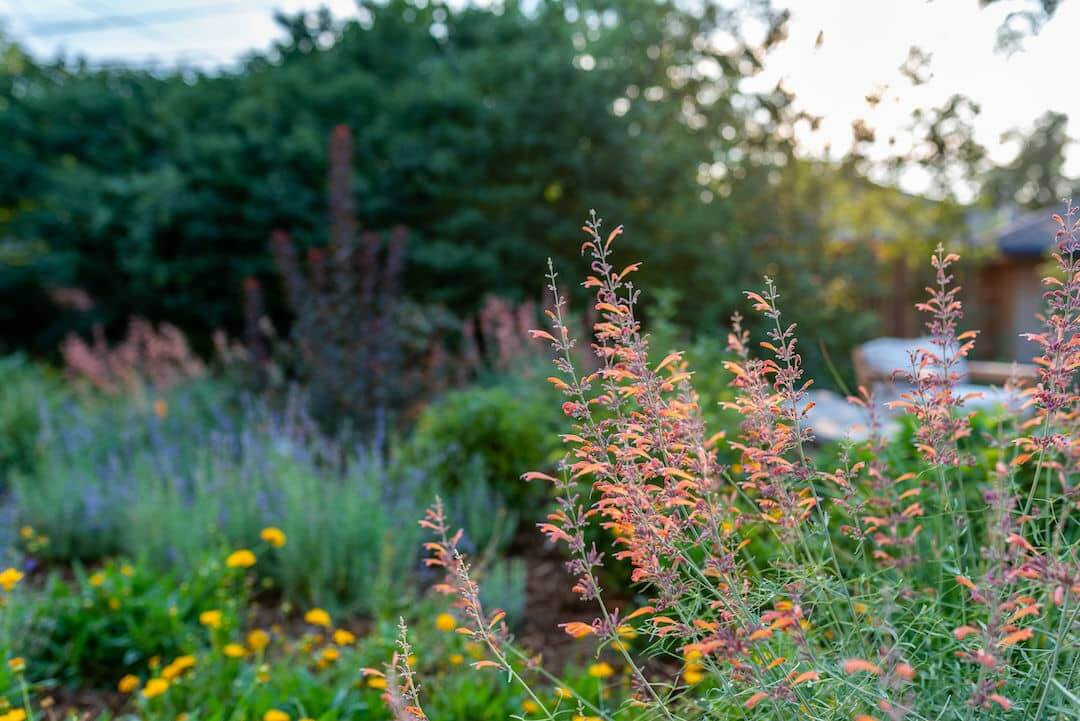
x,y
627,632
182,717
529,706
601,670
127,570
97,579
240,559
263,674
15,714
274,536
258,639
128,684
210,619
26,532
330,654
275,715
376,682
9,577
693,675
234,650
579,717
445,622
177,667
318,617
155,687
17,664
456,659
563,692
343,637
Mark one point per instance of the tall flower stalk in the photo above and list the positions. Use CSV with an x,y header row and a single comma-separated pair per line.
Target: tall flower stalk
x,y
799,592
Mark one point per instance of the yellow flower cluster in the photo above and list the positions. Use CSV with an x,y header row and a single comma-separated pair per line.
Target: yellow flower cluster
x,y
273,536
693,672
318,617
15,714
176,669
234,650
344,638
242,558
601,670
155,687
258,640
9,578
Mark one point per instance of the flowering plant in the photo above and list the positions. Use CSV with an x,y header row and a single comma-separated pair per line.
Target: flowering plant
x,y
778,588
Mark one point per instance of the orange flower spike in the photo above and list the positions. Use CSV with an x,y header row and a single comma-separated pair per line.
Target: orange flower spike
x,y
1016,637
858,665
755,699
1032,610
966,583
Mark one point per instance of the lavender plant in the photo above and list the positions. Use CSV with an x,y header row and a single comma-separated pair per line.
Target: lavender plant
x,y
171,487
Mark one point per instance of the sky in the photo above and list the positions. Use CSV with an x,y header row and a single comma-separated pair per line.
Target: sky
x,y
863,44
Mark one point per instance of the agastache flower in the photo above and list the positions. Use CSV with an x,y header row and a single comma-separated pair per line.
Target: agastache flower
x,y
934,375
402,695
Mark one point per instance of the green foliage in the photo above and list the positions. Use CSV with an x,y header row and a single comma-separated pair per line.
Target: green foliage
x,y
97,626
502,585
27,390
497,432
484,133
120,479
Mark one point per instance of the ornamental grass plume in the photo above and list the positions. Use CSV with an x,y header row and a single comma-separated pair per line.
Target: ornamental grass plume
x,y
799,583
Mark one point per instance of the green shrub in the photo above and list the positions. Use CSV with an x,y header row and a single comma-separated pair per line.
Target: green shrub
x,y
508,429
96,627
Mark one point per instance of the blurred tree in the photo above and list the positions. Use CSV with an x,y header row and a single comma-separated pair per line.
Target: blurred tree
x,y
1035,178
1019,24
488,133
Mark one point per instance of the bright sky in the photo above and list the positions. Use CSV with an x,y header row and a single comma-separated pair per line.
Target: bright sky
x,y
864,44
